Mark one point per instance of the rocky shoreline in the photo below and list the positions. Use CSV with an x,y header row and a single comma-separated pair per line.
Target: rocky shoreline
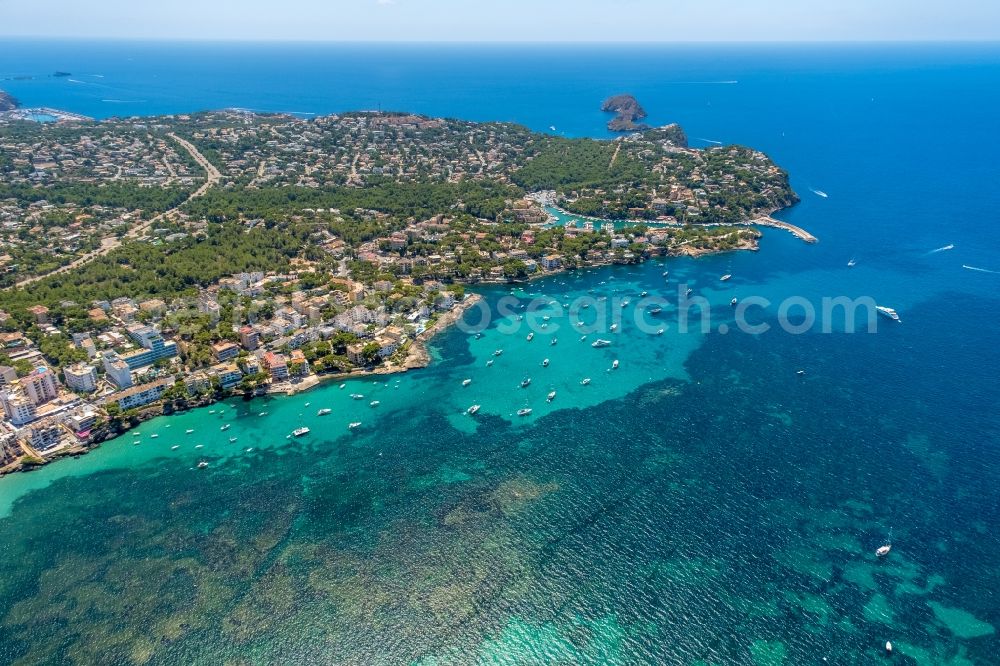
x,y
8,102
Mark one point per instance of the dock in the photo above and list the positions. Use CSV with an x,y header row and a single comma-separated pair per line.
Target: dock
x,y
798,232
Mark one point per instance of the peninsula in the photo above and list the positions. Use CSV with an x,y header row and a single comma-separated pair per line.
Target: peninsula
x,y
151,264
627,112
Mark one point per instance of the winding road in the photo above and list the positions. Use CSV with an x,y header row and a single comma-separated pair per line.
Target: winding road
x,y
212,176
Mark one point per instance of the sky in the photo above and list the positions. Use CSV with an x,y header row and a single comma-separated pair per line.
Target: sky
x,y
506,20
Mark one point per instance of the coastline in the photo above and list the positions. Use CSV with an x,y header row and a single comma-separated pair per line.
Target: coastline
x,y
765,220
417,356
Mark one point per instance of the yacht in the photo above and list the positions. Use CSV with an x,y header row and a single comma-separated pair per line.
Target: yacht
x,y
887,312
883,550
188,431
354,424
733,302
298,432
657,310
466,382
660,332
554,341
551,396
643,294
307,404
324,411
202,465
342,386
262,414
226,427
489,363
374,403
498,352
153,436
478,335
526,382
614,327
472,410
585,306
689,292
614,365
625,302
666,273
585,381
725,277
524,411
357,396
600,343
852,262
582,338
545,363
199,446
531,336
232,439
175,447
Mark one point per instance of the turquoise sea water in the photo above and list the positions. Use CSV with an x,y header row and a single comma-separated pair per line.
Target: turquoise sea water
x,y
702,503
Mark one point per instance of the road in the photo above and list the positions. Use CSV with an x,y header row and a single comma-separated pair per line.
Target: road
x,y
212,176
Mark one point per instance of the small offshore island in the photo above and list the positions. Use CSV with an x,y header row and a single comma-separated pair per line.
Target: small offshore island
x,y
154,264
627,111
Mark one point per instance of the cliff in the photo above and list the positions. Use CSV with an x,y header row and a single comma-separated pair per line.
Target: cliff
x,y
8,102
627,110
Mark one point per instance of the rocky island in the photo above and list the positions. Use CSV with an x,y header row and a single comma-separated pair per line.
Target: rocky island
x,y
628,111
8,102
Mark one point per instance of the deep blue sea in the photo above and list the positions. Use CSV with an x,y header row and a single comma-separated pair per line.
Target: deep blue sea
x,y
702,504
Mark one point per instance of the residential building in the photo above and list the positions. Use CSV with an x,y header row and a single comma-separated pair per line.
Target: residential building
x,y
197,382
137,396
551,262
276,365
40,313
154,347
355,353
82,421
17,407
45,436
7,374
228,373
249,338
225,351
117,370
9,448
81,377
40,385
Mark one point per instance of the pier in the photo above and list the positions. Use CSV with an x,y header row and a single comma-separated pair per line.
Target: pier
x,y
798,232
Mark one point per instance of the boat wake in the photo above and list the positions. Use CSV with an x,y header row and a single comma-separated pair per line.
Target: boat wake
x,y
942,249
980,270
819,193
717,143
124,101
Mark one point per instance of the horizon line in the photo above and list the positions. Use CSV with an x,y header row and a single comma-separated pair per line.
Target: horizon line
x,y
499,42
